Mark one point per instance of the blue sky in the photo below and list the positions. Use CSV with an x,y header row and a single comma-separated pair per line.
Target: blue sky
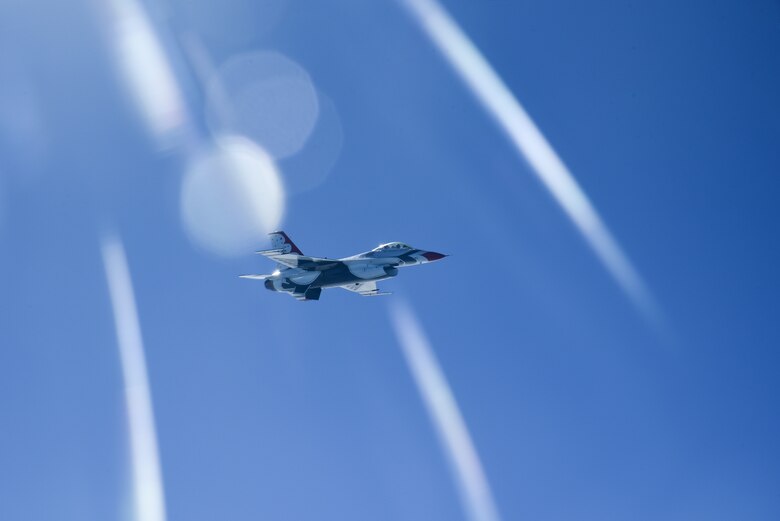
x,y
668,116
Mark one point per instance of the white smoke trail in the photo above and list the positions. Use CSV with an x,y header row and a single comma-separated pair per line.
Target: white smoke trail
x,y
444,412
147,475
498,100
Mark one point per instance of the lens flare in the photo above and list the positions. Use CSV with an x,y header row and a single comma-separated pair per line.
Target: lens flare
x,y
145,68
312,166
147,473
446,416
231,197
490,90
265,96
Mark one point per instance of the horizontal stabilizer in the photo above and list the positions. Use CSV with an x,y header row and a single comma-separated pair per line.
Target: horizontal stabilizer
x,y
274,251
255,277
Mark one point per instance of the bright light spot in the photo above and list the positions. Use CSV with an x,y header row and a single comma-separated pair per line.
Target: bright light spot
x,y
147,475
444,412
145,68
266,97
499,101
231,197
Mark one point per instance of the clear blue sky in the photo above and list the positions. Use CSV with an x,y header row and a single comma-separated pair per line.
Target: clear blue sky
x,y
668,115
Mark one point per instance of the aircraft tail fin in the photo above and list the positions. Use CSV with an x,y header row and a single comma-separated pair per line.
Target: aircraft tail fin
x,y
280,241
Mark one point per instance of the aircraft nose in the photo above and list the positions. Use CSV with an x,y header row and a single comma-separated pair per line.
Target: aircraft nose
x,y
433,256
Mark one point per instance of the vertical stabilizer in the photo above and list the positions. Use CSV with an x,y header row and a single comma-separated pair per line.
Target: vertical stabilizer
x,y
280,240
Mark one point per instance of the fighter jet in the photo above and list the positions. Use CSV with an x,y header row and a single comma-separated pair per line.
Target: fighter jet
x,y
305,277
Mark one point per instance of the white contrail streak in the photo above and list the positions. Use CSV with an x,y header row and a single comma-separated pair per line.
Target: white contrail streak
x,y
447,419
147,475
498,100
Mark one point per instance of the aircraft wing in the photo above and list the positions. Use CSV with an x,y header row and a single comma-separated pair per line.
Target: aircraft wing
x,y
367,289
293,260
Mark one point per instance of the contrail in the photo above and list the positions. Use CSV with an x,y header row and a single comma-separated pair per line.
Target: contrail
x,y
444,412
147,475
499,101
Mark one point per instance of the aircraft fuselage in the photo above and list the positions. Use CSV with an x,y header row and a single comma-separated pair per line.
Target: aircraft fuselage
x,y
305,277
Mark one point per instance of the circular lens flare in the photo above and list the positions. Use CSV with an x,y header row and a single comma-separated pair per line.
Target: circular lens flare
x,y
231,197
265,96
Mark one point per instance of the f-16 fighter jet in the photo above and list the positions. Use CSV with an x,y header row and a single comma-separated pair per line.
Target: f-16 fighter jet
x,y
304,277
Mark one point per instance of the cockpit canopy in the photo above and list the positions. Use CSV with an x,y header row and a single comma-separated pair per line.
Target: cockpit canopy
x,y
392,246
